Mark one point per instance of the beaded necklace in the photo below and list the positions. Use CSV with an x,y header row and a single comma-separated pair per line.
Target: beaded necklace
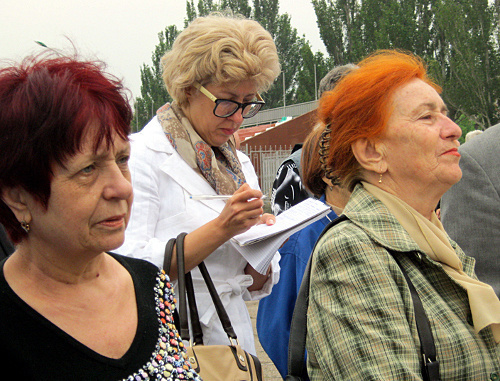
x,y
169,360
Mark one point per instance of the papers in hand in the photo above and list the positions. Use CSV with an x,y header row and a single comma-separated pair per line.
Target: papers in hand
x,y
259,244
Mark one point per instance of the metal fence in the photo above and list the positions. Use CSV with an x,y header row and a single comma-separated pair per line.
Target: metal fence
x,y
266,161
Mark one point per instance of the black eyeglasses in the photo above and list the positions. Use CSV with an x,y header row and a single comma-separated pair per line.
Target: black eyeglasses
x,y
226,107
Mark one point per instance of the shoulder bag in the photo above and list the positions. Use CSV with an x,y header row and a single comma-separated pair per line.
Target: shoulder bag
x,y
297,370
211,362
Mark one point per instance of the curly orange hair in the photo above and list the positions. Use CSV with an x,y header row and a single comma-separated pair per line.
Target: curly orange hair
x,y
360,106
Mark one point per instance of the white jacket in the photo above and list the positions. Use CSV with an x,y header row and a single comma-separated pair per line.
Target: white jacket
x,y
162,209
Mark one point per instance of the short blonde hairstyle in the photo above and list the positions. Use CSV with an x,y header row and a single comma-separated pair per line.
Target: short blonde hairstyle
x,y
220,49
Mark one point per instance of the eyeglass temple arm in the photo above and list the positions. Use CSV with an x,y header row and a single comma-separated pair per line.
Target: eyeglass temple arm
x,y
205,91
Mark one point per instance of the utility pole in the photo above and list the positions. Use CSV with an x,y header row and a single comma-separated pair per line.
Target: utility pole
x,y
315,84
284,95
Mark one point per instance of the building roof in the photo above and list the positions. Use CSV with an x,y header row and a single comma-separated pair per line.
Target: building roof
x,y
250,132
288,133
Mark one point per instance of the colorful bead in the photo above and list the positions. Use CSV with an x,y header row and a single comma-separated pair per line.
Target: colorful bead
x,y
165,364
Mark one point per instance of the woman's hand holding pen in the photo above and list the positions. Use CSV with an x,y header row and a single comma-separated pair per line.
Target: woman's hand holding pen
x,y
244,210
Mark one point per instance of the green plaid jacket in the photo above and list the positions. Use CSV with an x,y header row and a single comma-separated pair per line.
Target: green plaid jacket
x,y
361,323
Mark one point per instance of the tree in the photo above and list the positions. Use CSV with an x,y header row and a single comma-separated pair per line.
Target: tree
x,y
153,91
289,45
471,59
314,68
338,23
463,56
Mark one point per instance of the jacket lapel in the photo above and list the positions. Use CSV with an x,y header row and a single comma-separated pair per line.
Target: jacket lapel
x,y
176,168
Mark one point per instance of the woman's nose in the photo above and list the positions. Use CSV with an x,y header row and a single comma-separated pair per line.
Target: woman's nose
x,y
237,117
450,129
118,185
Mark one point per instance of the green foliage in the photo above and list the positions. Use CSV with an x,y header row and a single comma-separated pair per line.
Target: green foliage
x,y
313,69
288,44
153,91
466,125
470,82
459,39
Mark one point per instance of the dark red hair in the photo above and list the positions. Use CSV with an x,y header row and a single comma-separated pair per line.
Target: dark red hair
x,y
359,106
47,106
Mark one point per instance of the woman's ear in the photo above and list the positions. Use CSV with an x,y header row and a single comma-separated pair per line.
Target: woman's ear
x,y
189,91
370,155
327,181
16,199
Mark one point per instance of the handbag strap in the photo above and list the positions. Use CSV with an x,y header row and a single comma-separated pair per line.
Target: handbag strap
x,y
298,329
181,285
219,307
430,365
167,256
297,369
186,288
185,285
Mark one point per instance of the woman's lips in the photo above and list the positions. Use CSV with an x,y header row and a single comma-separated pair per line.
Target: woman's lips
x,y
113,222
228,131
453,151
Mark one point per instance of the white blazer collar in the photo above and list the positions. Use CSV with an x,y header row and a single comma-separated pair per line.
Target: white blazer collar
x,y
175,166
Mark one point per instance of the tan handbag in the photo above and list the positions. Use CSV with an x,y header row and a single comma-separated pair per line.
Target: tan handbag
x,y
211,362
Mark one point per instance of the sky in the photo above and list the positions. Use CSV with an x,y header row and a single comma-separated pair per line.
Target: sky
x,y
122,33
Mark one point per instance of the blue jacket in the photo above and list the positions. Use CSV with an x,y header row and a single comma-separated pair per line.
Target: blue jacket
x,y
275,311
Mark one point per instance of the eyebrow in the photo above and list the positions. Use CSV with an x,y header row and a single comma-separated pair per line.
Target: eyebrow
x,y
103,154
428,106
249,96
230,95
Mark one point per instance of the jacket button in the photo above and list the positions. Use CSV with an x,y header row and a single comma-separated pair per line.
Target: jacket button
x,y
494,376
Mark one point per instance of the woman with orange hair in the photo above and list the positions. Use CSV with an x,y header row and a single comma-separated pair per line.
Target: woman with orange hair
x,y
393,145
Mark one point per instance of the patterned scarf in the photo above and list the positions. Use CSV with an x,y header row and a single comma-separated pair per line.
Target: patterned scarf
x,y
218,165
433,240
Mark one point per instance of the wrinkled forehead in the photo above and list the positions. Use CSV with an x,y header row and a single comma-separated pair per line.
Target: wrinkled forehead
x,y
414,97
97,139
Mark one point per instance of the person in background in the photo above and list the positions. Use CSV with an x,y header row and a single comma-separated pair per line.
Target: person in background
x,y
70,310
472,134
275,311
288,189
393,145
470,210
215,72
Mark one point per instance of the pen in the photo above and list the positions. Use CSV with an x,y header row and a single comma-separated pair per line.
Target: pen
x,y
214,197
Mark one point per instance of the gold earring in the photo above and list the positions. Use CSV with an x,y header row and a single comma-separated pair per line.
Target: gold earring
x,y
25,226
380,179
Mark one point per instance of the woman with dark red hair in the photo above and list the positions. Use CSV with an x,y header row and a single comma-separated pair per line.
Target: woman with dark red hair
x,y
393,145
69,310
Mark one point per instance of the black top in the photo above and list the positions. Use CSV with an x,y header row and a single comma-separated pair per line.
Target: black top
x,y
287,186
35,349
6,247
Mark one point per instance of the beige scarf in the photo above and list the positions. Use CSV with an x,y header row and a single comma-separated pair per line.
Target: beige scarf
x,y
218,165
433,240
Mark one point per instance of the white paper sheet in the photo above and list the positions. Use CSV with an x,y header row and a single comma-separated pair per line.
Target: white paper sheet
x,y
259,244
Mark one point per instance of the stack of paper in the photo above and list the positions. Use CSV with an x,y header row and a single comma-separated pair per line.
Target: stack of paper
x,y
259,244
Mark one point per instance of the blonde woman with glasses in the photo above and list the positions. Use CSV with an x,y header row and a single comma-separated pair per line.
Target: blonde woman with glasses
x,y
217,69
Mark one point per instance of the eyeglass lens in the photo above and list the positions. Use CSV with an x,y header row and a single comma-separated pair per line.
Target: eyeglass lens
x,y
225,108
